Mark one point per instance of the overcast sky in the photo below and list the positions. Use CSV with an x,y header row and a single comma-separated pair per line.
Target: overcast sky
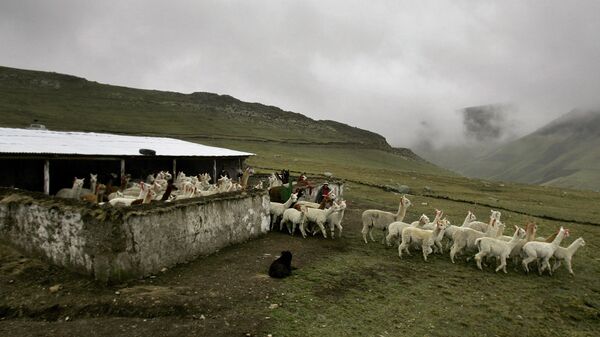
x,y
400,68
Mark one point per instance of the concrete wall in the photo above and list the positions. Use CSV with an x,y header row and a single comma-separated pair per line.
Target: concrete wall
x,y
114,244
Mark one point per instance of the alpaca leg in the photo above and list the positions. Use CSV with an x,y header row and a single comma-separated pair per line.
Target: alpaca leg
x,y
439,247
502,264
478,258
426,251
400,248
547,265
371,234
340,228
453,252
557,264
332,230
384,235
569,266
526,261
303,229
322,228
388,239
364,232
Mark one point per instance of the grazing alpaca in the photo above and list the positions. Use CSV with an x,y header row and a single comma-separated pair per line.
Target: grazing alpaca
x,y
282,266
73,192
373,218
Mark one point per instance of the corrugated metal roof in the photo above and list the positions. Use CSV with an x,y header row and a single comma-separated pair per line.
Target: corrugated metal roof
x,y
30,141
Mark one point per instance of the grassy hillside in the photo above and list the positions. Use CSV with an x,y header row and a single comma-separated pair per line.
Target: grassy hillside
x,y
62,101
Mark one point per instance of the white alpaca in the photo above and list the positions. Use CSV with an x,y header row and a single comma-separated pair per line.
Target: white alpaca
x,y
542,250
395,228
73,192
566,254
426,238
277,209
335,219
293,219
482,226
319,217
373,218
464,238
496,247
92,189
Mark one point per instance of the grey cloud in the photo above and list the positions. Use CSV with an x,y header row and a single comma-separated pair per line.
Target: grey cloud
x,y
386,66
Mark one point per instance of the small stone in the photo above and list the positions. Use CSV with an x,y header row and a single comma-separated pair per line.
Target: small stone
x,y
117,293
274,306
55,288
11,281
424,204
67,318
202,317
519,317
163,270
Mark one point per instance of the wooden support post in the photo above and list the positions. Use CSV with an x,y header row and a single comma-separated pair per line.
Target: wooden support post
x,y
122,168
215,171
174,168
47,177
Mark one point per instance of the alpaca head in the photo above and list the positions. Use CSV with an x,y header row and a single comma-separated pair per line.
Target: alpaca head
x,y
405,202
93,178
520,232
423,219
580,241
471,216
78,183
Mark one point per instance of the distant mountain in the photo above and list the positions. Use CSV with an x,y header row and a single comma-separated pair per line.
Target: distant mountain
x,y
564,153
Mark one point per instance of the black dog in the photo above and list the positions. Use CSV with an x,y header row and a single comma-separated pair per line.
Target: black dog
x,y
282,267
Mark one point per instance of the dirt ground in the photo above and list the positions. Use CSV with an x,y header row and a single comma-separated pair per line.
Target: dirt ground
x,y
357,289
225,294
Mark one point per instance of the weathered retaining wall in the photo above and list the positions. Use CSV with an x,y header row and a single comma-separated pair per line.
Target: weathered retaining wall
x,y
114,244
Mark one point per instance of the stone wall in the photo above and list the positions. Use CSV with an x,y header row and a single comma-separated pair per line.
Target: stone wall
x,y
113,244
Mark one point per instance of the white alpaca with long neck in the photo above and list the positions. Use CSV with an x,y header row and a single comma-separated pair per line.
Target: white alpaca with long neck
x,y
426,238
542,250
71,193
396,227
482,226
489,246
335,219
277,209
374,218
566,254
319,217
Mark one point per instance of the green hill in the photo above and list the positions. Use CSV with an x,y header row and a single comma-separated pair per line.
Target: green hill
x,y
64,102
564,153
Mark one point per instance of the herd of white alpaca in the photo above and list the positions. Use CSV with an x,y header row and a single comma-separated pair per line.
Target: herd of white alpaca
x,y
155,188
473,238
